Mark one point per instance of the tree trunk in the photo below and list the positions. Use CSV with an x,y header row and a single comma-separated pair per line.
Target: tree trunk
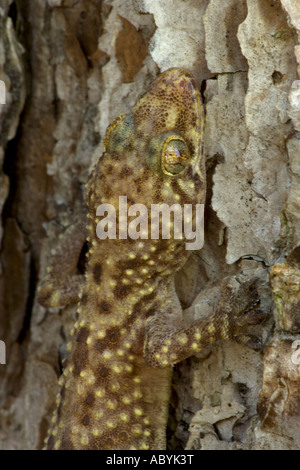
x,y
69,68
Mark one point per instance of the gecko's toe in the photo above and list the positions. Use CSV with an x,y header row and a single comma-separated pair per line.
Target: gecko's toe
x,y
252,341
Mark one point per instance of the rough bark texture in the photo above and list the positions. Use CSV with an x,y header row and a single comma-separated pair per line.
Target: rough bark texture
x,y
70,67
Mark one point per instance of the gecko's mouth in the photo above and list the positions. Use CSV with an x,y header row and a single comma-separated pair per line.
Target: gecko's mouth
x,y
189,84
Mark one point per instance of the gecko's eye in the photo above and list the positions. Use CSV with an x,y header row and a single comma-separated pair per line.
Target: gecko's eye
x,y
168,154
119,133
175,156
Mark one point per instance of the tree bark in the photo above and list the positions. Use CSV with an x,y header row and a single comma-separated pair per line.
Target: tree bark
x,y
69,68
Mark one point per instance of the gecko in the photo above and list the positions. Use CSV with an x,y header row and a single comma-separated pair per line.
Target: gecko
x,y
130,328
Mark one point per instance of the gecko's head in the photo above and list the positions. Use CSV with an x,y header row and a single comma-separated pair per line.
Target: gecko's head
x,y
158,145
153,157
171,115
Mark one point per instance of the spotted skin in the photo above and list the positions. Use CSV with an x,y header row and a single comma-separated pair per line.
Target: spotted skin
x,y
116,382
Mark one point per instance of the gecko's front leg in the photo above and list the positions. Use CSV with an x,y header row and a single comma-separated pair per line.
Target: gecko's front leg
x,y
168,340
62,286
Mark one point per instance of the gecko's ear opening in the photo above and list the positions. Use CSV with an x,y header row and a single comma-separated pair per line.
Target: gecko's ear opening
x,y
168,154
118,133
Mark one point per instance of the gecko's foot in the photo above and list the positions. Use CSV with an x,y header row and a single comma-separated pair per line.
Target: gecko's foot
x,y
244,309
252,341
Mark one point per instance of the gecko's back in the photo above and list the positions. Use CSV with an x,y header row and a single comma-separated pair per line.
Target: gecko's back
x,y
110,398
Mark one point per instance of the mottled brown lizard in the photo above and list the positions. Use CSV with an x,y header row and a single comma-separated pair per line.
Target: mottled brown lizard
x,y
130,329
